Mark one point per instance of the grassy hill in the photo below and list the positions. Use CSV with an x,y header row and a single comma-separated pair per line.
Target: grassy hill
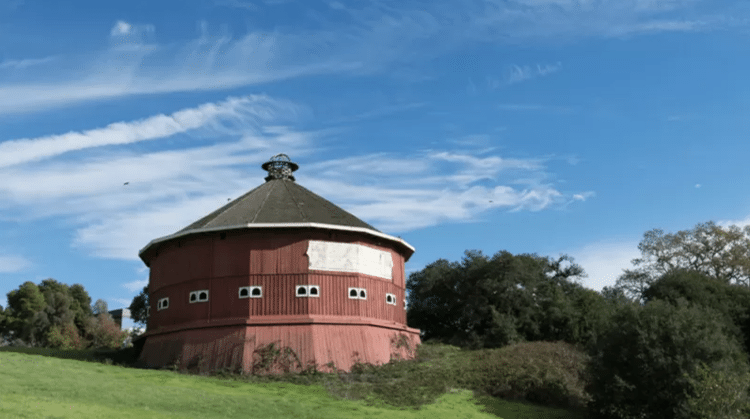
x,y
38,383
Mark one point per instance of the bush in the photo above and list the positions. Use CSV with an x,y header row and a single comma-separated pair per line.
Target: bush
x,y
648,365
104,332
720,394
548,373
65,337
731,300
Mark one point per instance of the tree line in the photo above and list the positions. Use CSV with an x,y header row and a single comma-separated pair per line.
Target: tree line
x,y
670,339
53,314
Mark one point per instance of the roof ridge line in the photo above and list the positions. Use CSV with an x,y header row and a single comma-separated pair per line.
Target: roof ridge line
x,y
296,204
262,204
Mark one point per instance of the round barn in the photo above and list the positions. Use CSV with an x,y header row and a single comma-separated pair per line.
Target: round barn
x,y
279,265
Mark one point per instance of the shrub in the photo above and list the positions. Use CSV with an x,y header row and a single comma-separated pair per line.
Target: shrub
x,y
648,364
548,373
720,394
104,332
65,337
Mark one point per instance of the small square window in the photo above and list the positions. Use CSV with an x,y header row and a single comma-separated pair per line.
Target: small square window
x,y
353,293
362,294
314,290
390,299
244,292
301,291
162,303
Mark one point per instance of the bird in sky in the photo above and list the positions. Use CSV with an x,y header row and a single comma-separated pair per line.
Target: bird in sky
x,y
126,183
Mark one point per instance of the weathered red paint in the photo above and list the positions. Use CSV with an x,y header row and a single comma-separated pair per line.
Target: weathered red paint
x,y
225,331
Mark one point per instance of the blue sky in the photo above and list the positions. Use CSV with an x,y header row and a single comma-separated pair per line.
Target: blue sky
x,y
539,126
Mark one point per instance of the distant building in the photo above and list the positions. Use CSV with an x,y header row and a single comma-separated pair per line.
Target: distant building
x,y
119,314
279,265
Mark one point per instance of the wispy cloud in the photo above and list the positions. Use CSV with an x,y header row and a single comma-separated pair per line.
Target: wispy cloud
x,y
406,193
583,196
517,74
170,188
125,29
135,286
13,263
373,39
25,63
131,67
156,127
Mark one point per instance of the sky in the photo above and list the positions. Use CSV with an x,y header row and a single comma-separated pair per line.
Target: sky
x,y
533,126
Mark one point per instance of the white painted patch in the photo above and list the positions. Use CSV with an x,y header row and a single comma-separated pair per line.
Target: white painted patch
x,y
345,257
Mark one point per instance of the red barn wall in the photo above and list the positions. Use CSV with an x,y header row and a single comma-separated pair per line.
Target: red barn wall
x,y
276,260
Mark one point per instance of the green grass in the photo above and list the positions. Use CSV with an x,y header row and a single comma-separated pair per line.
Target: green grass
x,y
44,383
45,387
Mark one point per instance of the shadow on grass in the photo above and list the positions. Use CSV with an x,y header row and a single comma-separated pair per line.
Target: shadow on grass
x,y
125,357
507,409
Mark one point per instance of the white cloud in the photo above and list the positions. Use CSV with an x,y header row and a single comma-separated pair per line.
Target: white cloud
x,y
130,67
519,74
25,150
370,40
135,286
604,261
739,223
125,29
13,263
121,28
171,188
25,63
583,196
409,192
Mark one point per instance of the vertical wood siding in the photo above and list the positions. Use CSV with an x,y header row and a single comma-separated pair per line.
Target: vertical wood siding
x,y
276,261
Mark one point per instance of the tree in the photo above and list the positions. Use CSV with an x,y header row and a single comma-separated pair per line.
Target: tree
x,y
490,302
48,314
3,326
24,304
102,329
100,307
730,300
658,360
81,305
721,253
139,307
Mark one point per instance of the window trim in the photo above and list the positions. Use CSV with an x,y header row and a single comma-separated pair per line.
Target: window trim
x,y
250,289
393,299
359,292
197,294
160,304
308,289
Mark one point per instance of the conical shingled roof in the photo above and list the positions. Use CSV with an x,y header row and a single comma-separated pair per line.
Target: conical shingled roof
x,y
275,202
279,203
